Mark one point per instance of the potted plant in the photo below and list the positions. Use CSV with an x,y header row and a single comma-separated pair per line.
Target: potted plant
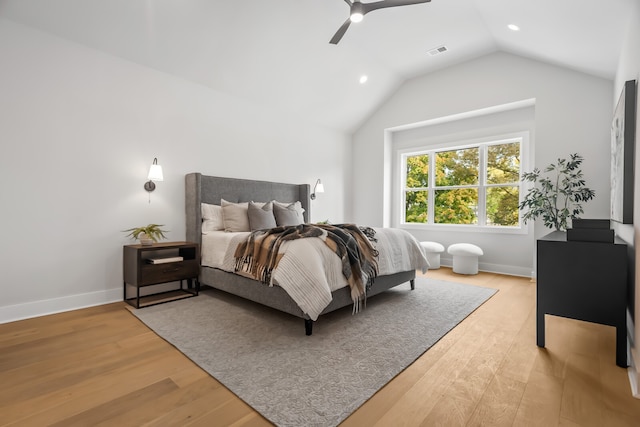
x,y
148,234
557,194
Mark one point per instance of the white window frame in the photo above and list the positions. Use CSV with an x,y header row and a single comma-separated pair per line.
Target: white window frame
x,y
483,144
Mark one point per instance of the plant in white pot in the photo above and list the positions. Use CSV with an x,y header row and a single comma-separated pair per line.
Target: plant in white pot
x,y
558,193
148,234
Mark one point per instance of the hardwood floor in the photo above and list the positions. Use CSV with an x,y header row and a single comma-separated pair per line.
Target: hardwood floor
x,y
101,366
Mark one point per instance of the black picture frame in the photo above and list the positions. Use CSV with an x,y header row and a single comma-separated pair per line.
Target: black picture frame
x,y
623,131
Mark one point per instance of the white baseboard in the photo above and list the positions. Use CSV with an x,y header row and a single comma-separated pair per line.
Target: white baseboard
x,y
634,374
494,268
633,357
633,381
28,310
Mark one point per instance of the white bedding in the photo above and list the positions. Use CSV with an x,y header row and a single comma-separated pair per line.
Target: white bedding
x,y
309,271
216,244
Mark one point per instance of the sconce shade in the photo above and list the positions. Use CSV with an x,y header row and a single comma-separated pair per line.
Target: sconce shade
x,y
318,188
155,174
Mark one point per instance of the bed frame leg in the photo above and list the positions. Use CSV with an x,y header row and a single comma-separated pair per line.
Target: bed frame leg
x,y
413,284
308,326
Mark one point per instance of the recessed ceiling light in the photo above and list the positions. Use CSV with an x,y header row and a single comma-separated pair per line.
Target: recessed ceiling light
x,y
363,79
513,27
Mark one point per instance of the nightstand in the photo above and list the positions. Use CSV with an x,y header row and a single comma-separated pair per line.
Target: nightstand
x,y
145,265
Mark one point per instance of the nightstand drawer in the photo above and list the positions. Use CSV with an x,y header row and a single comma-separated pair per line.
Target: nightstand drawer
x,y
159,273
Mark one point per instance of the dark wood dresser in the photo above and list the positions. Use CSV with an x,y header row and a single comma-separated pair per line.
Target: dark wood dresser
x,y
584,281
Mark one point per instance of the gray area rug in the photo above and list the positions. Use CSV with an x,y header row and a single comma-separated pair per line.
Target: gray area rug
x,y
264,357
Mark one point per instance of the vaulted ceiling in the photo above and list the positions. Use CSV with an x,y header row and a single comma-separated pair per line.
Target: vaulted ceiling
x,y
276,53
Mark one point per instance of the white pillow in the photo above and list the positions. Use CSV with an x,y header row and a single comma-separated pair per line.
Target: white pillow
x,y
235,216
211,218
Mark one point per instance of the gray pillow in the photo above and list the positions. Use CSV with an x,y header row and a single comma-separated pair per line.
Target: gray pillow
x,y
287,215
261,218
297,204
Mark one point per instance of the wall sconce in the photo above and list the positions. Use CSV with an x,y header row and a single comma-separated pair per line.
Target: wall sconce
x,y
318,188
155,174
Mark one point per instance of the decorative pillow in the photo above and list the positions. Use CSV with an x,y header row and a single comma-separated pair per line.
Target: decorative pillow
x,y
235,216
261,216
287,215
211,218
297,205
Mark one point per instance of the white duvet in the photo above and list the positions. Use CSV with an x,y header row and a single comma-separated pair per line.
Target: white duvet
x,y
309,271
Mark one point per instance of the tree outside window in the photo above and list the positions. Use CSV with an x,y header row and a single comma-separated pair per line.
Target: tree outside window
x,y
503,184
473,185
456,192
417,179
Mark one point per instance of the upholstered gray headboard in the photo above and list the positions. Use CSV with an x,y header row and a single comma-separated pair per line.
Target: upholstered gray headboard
x,y
210,189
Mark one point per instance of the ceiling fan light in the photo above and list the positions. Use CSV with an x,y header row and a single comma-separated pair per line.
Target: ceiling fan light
x,y
356,17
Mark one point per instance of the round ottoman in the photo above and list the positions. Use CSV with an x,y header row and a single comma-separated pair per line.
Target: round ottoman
x,y
465,258
432,250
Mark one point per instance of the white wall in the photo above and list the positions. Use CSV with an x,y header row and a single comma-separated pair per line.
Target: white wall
x,y
78,131
572,114
480,126
629,69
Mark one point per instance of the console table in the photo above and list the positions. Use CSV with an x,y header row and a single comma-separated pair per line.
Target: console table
x,y
584,281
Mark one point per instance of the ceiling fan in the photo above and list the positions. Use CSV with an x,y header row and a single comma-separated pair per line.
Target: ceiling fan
x,y
358,10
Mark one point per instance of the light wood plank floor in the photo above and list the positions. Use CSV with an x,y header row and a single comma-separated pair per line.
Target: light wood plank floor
x,y
101,366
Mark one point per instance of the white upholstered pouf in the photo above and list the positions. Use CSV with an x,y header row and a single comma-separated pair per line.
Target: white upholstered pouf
x,y
465,258
432,250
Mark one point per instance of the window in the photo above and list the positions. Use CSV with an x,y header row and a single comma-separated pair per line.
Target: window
x,y
475,185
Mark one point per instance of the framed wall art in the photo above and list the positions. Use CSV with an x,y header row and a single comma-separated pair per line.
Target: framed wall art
x,y
623,131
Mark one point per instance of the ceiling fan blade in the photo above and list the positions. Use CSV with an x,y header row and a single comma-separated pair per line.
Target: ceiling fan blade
x,y
343,29
368,7
364,8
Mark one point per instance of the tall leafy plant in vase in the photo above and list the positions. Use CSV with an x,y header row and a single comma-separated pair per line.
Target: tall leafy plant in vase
x,y
558,193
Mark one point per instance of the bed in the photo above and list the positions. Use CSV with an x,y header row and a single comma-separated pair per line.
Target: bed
x,y
211,190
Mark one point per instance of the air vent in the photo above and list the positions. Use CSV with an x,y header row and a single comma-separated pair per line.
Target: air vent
x,y
438,50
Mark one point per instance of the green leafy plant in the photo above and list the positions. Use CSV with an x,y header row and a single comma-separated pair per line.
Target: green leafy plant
x,y
557,194
152,231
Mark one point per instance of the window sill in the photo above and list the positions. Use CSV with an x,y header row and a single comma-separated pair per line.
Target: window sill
x,y
463,228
